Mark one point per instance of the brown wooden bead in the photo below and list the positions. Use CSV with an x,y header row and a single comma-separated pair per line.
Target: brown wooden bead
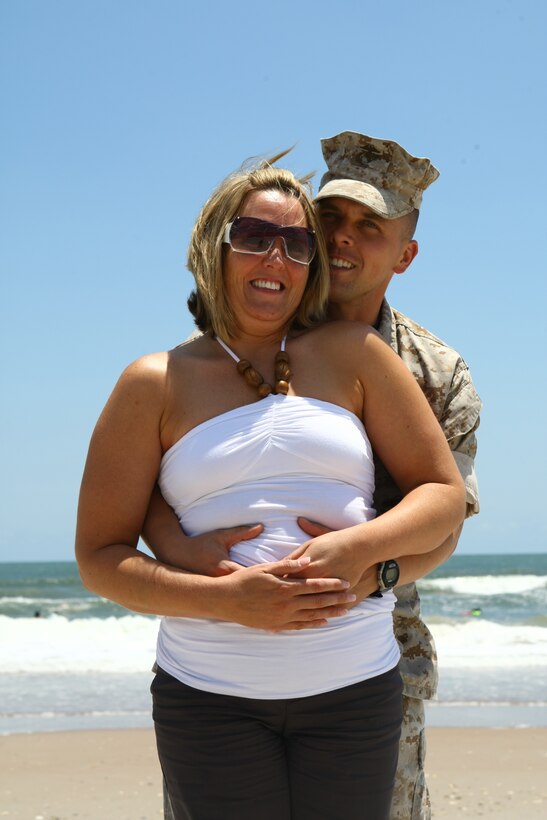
x,y
282,356
253,377
282,387
283,371
243,365
264,390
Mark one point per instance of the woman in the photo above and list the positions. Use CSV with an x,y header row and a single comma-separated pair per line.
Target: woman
x,y
253,723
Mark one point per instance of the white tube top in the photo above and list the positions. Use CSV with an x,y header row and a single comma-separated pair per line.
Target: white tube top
x,y
270,462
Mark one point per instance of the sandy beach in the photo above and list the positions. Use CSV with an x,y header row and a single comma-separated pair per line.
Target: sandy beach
x,y
114,775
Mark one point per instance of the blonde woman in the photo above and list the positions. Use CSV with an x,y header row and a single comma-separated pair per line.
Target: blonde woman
x,y
269,415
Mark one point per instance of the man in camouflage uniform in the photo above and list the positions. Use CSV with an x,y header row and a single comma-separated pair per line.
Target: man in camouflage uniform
x,y
371,189
368,204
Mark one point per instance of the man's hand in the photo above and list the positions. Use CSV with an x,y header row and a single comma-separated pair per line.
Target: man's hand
x,y
269,596
206,554
209,553
313,528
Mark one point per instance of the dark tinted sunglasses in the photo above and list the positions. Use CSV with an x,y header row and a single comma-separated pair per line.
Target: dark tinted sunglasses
x,y
249,235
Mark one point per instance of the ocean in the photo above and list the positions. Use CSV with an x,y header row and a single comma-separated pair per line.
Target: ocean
x,y
71,660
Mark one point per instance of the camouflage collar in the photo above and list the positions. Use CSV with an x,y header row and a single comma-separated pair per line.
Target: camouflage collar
x,y
386,325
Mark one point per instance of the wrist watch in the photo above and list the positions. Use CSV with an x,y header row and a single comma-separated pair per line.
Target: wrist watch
x,y
388,574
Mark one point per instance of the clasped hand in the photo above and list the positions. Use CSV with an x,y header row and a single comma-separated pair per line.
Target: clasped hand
x,y
298,594
331,556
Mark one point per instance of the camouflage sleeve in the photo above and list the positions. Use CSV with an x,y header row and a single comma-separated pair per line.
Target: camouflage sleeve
x,y
460,420
466,467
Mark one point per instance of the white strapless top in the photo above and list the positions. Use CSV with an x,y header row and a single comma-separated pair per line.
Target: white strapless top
x,y
270,462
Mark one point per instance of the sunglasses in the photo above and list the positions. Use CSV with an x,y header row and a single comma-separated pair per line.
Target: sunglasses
x,y
249,235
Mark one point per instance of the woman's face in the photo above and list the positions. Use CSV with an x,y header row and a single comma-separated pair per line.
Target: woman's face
x,y
264,290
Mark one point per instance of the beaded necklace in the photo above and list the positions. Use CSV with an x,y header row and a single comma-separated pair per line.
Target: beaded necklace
x,y
255,379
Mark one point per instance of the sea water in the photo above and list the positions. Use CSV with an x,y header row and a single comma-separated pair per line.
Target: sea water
x,y
70,659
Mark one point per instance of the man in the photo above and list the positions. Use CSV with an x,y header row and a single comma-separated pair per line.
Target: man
x,y
368,204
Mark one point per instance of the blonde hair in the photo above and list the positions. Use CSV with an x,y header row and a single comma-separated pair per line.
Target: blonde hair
x,y
208,303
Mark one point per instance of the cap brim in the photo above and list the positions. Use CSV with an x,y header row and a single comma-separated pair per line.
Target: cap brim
x,y
382,202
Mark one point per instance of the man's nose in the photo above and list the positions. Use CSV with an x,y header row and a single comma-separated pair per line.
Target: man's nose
x,y
340,234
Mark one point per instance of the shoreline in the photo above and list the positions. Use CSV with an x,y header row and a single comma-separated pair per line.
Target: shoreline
x,y
439,715
90,774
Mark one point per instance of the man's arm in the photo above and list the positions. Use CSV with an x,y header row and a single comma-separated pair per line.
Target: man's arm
x,y
414,567
207,554
464,448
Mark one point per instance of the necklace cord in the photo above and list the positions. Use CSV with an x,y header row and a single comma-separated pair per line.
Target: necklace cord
x,y
282,371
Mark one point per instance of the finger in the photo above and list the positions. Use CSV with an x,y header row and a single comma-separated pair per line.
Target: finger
x,y
326,601
298,552
302,625
314,586
313,619
227,567
312,528
232,535
326,613
287,566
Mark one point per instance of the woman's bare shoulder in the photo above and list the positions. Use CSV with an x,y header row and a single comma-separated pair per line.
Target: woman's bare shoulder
x,y
142,382
149,367
153,367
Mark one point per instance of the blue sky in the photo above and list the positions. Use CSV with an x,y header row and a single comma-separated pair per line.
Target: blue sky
x,y
120,117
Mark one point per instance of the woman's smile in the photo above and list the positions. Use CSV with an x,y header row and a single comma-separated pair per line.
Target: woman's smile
x,y
266,284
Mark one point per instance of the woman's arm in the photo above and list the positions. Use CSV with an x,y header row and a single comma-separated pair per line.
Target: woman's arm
x,y
412,567
120,473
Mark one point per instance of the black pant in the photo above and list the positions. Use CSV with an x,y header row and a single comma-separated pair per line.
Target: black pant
x,y
327,756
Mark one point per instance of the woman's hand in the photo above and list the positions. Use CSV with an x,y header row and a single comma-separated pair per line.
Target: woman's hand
x,y
333,554
367,583
268,596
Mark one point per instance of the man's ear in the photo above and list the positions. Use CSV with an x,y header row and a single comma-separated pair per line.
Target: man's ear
x,y
409,253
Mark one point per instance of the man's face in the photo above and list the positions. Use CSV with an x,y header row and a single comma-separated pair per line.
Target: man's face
x,y
365,251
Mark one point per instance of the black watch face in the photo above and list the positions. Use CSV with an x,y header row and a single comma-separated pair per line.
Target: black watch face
x,y
391,575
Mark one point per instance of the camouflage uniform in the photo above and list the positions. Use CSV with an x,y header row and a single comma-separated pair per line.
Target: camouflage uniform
x,y
445,380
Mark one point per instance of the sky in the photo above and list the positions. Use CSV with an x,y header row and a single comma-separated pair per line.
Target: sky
x,y
121,116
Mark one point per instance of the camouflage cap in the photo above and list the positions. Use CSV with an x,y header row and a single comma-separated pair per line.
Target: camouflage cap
x,y
377,173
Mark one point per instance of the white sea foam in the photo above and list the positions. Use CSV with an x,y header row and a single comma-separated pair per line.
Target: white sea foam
x,y
482,643
483,585
57,644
